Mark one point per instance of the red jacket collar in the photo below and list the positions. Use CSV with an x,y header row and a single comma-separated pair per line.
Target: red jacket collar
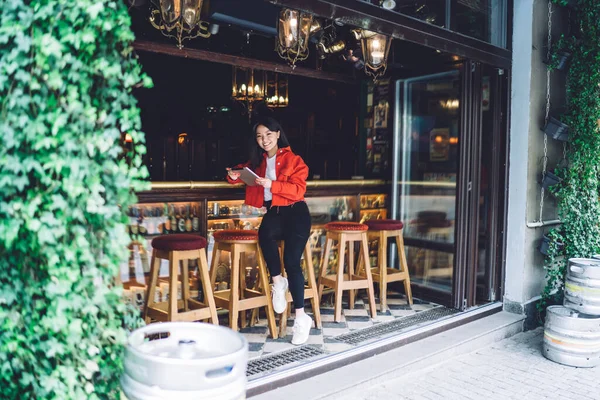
x,y
280,151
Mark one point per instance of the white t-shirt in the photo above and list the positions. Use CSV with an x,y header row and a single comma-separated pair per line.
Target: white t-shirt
x,y
270,174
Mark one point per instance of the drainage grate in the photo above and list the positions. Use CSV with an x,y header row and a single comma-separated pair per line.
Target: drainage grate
x,y
276,360
385,328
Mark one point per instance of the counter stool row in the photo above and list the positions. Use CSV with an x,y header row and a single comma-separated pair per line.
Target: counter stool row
x,y
178,249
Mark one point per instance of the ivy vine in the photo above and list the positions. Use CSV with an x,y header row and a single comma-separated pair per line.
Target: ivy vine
x,y
578,193
67,71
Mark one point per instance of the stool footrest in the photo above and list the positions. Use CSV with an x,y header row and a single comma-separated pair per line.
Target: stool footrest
x,y
331,281
222,300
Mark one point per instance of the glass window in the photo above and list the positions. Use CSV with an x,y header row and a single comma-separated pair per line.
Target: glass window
x,y
431,11
481,19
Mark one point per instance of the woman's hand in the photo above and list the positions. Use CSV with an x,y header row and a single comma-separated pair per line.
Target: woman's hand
x,y
232,174
264,182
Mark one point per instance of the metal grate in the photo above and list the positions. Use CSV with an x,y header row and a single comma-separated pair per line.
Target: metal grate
x,y
385,328
272,361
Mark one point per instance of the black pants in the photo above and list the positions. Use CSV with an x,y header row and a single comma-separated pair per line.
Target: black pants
x,y
292,225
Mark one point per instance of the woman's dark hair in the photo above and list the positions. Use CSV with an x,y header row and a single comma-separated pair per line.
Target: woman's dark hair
x,y
256,153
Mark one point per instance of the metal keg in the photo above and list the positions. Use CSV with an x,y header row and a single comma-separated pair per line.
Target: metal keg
x,y
185,360
571,338
582,285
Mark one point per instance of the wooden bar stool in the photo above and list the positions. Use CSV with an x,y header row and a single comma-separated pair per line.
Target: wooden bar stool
x,y
180,248
382,230
431,266
310,288
238,297
346,232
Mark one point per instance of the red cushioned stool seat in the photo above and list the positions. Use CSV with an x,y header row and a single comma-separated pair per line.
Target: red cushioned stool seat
x,y
384,224
179,242
236,234
345,226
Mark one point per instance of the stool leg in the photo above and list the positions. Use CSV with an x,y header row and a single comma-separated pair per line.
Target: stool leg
x,y
216,254
352,293
154,268
234,295
324,263
312,284
262,271
370,290
339,279
254,316
284,316
382,263
243,320
209,298
404,267
185,283
174,269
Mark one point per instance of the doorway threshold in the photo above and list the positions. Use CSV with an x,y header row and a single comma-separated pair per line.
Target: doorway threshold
x,y
369,347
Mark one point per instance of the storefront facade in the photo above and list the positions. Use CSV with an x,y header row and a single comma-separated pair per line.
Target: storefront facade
x,y
438,146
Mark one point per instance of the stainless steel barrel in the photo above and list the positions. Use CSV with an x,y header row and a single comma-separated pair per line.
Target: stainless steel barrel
x,y
185,360
582,285
571,338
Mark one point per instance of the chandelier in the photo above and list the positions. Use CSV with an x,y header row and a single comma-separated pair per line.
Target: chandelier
x,y
180,19
375,48
248,86
293,31
277,90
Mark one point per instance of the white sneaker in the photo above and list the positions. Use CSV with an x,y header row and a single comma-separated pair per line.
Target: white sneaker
x,y
301,329
278,295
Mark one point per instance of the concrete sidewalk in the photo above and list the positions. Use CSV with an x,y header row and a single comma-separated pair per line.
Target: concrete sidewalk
x,y
513,368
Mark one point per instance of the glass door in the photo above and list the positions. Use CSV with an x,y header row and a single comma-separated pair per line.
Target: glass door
x,y
449,186
426,172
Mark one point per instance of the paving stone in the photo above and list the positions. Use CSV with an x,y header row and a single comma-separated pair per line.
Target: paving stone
x,y
513,368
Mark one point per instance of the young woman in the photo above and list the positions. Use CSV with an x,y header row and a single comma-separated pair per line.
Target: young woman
x,y
280,189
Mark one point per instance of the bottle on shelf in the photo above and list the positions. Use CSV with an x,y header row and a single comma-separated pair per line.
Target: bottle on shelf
x,y
188,220
180,220
167,223
134,221
173,220
195,220
142,222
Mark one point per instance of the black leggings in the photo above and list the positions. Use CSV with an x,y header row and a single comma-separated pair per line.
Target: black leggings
x,y
292,225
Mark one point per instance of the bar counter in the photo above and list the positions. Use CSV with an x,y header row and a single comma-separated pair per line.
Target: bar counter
x,y
205,202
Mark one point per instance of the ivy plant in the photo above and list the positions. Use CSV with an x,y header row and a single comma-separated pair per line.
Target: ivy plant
x,y
578,193
67,71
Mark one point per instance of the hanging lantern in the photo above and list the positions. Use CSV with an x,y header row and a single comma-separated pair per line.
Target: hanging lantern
x,y
248,86
277,90
180,19
293,31
375,48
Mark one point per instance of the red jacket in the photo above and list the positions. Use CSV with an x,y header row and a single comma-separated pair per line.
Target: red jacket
x,y
290,186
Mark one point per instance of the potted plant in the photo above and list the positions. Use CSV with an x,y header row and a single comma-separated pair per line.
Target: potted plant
x,y
546,243
550,180
561,59
557,129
